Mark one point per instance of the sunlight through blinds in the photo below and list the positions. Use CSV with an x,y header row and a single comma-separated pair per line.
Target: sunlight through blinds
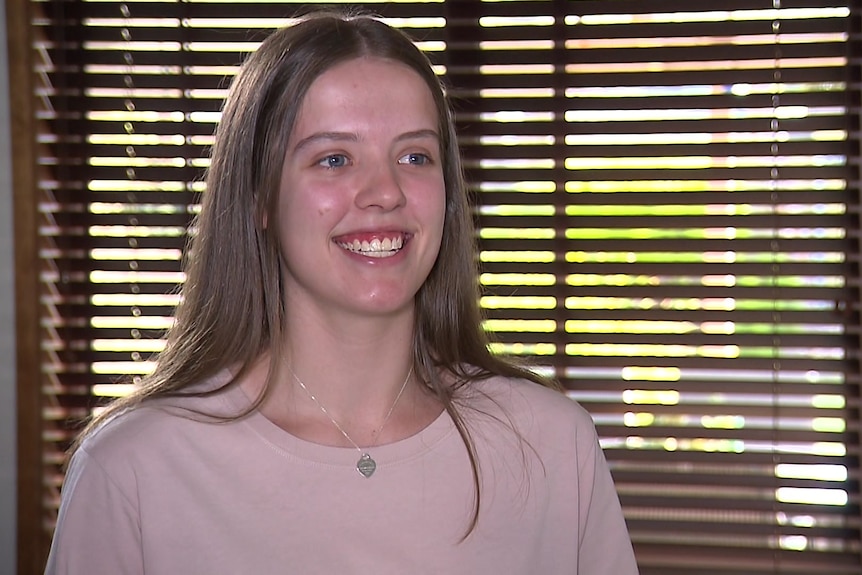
x,y
663,192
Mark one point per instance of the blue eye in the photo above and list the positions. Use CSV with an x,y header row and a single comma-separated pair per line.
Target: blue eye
x,y
333,161
414,159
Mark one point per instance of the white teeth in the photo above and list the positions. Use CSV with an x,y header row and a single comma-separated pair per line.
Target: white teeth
x,y
376,248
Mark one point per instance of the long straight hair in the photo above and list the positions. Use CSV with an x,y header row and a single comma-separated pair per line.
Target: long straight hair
x,y
231,311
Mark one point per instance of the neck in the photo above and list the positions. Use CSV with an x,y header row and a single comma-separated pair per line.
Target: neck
x,y
334,421
354,366
356,374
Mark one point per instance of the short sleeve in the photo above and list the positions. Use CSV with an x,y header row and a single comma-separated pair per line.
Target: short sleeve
x,y
605,546
98,527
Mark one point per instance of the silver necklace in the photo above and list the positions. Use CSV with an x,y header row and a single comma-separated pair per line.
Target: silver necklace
x,y
366,465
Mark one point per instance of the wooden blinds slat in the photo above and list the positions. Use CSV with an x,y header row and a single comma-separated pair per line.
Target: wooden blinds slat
x,y
667,199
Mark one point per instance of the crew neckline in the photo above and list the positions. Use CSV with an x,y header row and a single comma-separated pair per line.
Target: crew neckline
x,y
289,445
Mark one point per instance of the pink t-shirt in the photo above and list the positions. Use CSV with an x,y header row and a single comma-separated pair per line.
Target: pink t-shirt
x,y
159,493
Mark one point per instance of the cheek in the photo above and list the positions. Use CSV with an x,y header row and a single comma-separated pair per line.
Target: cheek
x,y
304,204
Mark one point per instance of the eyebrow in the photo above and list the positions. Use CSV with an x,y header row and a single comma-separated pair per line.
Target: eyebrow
x,y
418,135
351,137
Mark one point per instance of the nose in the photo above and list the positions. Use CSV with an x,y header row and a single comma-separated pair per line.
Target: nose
x,y
381,189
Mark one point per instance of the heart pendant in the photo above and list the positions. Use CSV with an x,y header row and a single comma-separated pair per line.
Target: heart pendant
x,y
366,466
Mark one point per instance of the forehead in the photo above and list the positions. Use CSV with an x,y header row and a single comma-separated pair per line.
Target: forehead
x,y
367,91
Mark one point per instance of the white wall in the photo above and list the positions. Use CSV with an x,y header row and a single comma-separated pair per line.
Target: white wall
x,y
8,468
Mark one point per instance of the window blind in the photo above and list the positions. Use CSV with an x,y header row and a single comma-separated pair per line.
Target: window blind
x,y
668,222
666,195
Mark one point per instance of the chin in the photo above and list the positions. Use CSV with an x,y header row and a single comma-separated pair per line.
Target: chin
x,y
378,305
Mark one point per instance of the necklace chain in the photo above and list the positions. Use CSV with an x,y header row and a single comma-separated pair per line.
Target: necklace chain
x,y
366,464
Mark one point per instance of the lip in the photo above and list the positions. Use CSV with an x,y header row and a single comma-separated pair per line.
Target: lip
x,y
368,236
377,244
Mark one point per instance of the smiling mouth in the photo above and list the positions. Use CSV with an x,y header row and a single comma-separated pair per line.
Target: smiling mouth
x,y
375,248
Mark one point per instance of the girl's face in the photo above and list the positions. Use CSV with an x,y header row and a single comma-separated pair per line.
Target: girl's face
x,y
362,197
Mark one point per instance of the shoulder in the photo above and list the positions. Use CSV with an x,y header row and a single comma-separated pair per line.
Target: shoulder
x,y
119,445
123,430
105,465
523,394
155,427
532,408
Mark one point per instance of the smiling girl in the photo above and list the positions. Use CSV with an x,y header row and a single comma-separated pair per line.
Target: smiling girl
x,y
327,402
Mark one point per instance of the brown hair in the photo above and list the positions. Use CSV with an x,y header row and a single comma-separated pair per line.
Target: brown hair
x,y
232,302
